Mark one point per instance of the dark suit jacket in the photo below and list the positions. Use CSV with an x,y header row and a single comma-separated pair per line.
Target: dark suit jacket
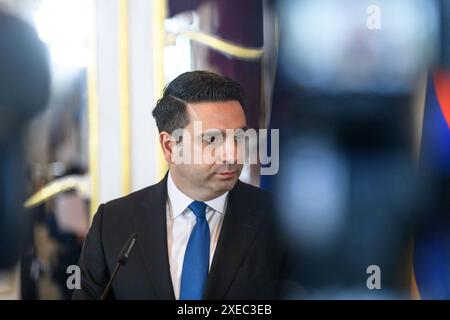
x,y
246,264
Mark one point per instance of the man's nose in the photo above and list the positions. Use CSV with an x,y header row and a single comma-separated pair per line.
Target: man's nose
x,y
229,152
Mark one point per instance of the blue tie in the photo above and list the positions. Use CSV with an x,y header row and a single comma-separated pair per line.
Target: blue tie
x,y
196,259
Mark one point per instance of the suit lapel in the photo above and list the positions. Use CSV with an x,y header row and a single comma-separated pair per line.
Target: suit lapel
x,y
239,229
150,224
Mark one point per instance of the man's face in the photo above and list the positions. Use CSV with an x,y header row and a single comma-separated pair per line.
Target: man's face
x,y
209,132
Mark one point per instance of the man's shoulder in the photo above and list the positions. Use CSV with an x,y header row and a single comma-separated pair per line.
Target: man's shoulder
x,y
251,188
136,199
132,201
251,192
258,201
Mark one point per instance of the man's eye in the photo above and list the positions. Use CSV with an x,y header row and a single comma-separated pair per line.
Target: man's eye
x,y
210,139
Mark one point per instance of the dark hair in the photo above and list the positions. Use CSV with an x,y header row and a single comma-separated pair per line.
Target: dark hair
x,y
193,87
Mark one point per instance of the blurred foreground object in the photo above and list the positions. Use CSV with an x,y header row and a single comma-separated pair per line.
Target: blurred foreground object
x,y
358,46
349,191
24,90
432,238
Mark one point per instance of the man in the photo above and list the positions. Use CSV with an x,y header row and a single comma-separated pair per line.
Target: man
x,y
202,234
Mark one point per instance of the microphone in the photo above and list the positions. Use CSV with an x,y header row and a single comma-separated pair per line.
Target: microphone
x,y
121,260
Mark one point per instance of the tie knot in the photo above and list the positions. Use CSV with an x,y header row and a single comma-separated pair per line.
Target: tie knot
x,y
199,209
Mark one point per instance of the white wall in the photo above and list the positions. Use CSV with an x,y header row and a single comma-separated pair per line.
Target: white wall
x,y
144,165
107,32
143,132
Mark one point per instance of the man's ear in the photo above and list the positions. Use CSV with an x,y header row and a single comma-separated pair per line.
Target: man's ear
x,y
167,143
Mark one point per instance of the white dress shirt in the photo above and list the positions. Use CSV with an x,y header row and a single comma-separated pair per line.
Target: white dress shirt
x,y
180,222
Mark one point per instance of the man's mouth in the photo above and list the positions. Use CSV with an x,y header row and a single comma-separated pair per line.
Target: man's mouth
x,y
227,174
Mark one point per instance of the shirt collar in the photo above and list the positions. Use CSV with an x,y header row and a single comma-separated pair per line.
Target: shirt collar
x,y
180,201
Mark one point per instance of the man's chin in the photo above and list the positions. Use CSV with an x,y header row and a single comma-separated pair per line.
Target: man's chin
x,y
225,185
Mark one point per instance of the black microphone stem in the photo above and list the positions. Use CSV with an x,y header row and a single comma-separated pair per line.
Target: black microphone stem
x,y
121,260
108,286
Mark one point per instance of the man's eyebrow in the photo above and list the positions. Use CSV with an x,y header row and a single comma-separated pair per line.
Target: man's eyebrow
x,y
223,131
